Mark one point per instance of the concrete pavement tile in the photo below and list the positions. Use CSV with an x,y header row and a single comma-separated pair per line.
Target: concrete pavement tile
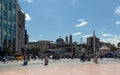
x,y
91,69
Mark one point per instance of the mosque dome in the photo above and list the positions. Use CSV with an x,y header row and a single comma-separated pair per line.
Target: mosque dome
x,y
60,41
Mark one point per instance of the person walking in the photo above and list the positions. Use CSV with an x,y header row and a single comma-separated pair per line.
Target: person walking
x,y
25,60
46,60
95,59
89,57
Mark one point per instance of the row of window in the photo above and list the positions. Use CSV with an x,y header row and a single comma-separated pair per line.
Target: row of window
x,y
8,21
11,15
9,2
0,23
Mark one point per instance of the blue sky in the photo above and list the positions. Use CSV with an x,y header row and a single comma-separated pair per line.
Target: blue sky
x,y
49,19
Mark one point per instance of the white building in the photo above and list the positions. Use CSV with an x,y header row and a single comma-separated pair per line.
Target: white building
x,y
104,50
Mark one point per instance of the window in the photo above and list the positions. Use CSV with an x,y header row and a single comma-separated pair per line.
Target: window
x,y
5,13
5,1
14,6
0,21
0,3
0,9
10,5
0,43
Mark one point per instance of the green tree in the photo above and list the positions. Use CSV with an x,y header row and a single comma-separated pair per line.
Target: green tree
x,y
113,49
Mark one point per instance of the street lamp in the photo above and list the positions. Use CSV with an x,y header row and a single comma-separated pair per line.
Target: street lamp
x,y
81,43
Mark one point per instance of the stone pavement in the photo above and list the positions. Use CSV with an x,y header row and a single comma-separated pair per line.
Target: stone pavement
x,y
62,67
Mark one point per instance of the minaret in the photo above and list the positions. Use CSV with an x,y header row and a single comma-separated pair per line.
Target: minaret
x,y
70,39
70,42
66,40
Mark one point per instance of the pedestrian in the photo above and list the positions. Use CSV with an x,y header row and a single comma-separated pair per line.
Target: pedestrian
x,y
46,60
101,56
5,59
41,57
25,60
81,57
89,57
95,59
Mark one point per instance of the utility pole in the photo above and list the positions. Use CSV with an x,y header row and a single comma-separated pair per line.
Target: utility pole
x,y
94,38
81,43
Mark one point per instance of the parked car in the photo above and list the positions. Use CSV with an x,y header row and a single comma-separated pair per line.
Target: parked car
x,y
11,58
118,55
108,55
3,58
19,57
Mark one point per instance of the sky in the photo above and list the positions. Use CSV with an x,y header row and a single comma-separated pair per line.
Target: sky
x,y
49,19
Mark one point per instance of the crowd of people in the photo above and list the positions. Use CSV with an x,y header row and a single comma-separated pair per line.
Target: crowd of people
x,y
87,57
83,57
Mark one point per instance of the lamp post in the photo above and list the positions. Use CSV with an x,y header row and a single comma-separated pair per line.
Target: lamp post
x,y
81,43
94,42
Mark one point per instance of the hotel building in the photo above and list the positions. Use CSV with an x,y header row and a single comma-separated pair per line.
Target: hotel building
x,y
12,26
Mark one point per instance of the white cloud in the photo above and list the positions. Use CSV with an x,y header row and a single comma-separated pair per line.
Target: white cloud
x,y
86,36
106,35
80,20
118,22
33,40
27,17
82,23
117,10
113,40
78,33
30,1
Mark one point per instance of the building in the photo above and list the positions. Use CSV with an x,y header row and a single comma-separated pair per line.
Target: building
x,y
93,44
26,39
118,45
20,30
60,42
12,26
70,39
118,49
107,44
43,45
90,44
32,45
104,50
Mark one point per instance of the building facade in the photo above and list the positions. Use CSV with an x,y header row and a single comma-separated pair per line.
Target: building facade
x,y
12,26
32,45
118,44
26,39
93,43
60,41
20,30
43,45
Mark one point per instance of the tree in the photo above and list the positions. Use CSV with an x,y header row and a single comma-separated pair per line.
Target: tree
x,y
113,49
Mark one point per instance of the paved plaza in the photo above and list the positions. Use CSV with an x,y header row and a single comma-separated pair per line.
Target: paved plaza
x,y
62,67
